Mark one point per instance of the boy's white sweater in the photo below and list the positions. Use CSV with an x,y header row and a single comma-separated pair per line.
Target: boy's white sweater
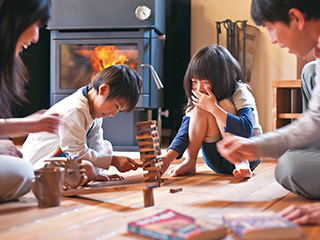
x,y
71,138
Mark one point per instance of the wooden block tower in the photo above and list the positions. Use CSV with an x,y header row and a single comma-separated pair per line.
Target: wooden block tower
x,y
149,148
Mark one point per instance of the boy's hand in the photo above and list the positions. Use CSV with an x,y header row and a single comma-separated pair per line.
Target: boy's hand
x,y
124,164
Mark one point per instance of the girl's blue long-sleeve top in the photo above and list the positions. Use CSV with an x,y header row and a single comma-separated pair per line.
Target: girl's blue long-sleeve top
x,y
240,125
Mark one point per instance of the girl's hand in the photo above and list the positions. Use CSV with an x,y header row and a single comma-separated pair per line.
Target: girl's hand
x,y
206,101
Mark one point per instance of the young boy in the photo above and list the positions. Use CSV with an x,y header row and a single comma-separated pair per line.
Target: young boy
x,y
113,89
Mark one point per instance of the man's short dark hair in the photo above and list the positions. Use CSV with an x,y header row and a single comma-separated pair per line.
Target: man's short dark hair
x,y
278,10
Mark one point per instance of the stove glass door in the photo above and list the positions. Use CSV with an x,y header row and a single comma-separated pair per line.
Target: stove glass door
x,y
79,63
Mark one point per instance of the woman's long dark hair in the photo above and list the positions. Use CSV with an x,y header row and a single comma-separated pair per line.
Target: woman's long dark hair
x,y
215,64
15,17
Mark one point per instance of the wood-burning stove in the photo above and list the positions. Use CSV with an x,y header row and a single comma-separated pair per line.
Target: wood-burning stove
x,y
89,35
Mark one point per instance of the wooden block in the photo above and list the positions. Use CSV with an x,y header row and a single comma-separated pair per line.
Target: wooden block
x,y
174,190
143,137
148,198
145,143
152,168
152,174
153,144
153,159
146,163
153,180
139,124
145,155
146,149
147,130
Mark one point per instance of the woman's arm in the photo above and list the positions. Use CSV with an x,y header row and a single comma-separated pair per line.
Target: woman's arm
x,y
36,122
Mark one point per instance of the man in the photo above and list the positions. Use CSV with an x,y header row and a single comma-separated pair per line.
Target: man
x,y
293,24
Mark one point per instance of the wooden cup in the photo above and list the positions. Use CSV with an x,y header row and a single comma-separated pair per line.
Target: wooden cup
x,y
47,186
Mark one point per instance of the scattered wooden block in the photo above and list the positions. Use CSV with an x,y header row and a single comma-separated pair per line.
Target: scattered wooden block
x,y
174,190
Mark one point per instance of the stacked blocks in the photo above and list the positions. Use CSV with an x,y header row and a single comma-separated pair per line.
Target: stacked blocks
x,y
149,148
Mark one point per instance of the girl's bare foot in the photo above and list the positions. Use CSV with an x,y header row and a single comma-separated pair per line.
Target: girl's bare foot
x,y
242,170
242,173
187,167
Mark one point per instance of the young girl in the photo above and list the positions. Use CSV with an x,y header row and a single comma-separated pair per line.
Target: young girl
x,y
113,89
218,105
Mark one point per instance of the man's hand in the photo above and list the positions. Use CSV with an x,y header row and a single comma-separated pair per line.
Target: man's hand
x,y
237,149
307,214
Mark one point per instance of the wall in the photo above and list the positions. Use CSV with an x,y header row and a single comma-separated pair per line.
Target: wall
x,y
270,61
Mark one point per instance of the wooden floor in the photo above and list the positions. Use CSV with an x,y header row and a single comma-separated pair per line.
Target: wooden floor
x,y
206,195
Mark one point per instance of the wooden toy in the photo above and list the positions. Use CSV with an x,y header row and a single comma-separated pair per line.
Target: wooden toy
x,y
74,175
149,148
174,190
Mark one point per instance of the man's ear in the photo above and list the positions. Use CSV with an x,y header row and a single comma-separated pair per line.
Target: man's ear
x,y
104,90
297,17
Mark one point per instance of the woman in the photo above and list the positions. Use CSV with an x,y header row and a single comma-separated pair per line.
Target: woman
x,y
19,28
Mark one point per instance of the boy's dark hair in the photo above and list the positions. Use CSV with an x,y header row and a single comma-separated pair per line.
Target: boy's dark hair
x,y
125,84
15,17
215,64
278,10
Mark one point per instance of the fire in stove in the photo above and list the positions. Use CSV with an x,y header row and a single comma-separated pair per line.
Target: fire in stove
x,y
82,62
105,56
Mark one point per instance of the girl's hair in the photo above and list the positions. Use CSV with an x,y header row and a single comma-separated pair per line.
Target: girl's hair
x,y
278,10
125,84
15,17
215,64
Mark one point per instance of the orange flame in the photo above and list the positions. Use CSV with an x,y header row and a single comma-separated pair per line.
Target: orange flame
x,y
105,56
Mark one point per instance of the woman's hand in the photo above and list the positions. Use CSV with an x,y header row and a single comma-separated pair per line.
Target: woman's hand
x,y
37,122
40,122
